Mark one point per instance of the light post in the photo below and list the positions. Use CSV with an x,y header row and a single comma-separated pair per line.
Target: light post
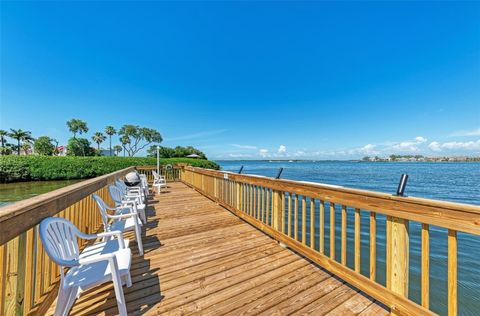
x,y
158,159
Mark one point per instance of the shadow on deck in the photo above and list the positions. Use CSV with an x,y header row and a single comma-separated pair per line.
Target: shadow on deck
x,y
200,258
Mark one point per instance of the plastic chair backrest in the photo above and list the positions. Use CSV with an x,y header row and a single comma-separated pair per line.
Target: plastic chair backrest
x,y
102,207
59,238
116,194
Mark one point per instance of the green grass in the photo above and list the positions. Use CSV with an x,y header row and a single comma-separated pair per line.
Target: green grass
x,y
31,168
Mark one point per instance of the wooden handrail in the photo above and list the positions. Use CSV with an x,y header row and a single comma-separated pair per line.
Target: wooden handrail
x,y
274,206
28,278
455,216
23,215
169,174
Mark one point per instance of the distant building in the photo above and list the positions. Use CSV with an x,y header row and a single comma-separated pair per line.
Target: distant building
x,y
106,152
62,150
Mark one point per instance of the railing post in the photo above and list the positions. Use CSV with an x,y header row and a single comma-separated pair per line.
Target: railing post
x,y
397,255
278,209
238,190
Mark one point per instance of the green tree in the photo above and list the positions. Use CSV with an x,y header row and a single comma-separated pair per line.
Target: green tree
x,y
7,150
20,136
179,151
110,131
26,147
139,137
77,126
43,146
165,152
117,149
124,140
98,138
3,135
55,141
79,147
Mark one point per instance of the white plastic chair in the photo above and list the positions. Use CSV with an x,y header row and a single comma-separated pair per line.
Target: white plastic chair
x,y
123,199
144,179
125,219
143,183
133,191
97,264
158,181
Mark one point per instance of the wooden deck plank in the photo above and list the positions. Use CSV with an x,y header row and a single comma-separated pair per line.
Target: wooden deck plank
x,y
201,259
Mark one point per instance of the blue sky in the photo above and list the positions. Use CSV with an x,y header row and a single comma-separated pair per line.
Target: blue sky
x,y
318,80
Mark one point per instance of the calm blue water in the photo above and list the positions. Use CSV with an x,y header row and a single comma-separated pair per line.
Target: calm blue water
x,y
457,182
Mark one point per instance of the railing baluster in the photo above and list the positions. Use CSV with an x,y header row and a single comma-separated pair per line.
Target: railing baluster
x,y
11,277
357,240
344,235
247,199
267,209
259,203
295,221
425,265
452,273
39,275
332,231
29,270
289,230
253,211
3,275
304,220
254,198
321,235
282,210
373,246
312,223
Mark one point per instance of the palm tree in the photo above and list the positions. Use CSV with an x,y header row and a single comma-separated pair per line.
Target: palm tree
x,y
117,149
3,135
26,147
98,138
124,140
77,126
20,135
55,151
110,131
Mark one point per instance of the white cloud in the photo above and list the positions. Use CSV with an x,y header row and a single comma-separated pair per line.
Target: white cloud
x,y
406,147
263,153
244,146
420,139
417,145
435,146
368,149
473,132
458,146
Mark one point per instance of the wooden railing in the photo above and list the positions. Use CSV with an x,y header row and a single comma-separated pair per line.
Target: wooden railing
x,y
171,174
305,216
28,278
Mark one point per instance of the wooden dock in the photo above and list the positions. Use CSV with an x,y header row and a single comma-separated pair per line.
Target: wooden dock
x,y
202,259
213,245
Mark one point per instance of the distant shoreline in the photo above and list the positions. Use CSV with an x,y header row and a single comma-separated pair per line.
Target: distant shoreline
x,y
471,159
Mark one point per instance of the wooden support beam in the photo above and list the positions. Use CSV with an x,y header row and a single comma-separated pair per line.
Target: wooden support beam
x,y
397,255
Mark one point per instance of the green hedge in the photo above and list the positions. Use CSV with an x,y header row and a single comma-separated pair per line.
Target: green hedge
x,y
30,168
